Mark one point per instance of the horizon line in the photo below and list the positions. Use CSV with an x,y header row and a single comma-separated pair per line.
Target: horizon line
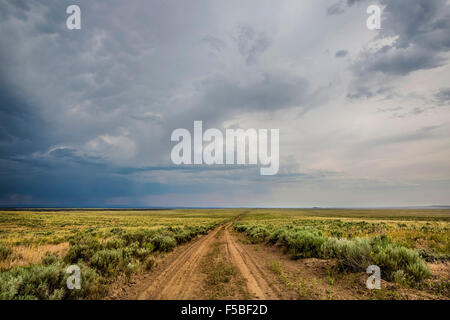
x,y
221,207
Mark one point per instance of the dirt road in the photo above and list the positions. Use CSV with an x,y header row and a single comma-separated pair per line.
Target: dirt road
x,y
181,275
224,265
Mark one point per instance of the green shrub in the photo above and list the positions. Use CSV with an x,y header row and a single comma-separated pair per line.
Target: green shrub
x,y
358,254
353,255
201,229
163,243
258,234
283,238
5,252
397,263
140,236
125,252
115,244
50,258
150,247
107,261
150,263
240,227
92,285
131,267
82,248
400,277
174,229
276,235
305,244
430,256
117,231
41,282
142,253
184,236
33,282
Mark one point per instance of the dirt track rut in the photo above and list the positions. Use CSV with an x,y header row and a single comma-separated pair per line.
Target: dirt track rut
x,y
257,285
179,279
180,275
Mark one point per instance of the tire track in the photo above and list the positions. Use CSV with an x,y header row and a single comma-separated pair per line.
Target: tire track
x,y
178,281
256,277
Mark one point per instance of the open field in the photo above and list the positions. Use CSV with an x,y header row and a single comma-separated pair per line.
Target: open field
x,y
411,247
225,253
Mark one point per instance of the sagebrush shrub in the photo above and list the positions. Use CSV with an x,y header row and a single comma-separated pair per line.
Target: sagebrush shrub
x,y
50,258
183,236
107,261
358,254
150,263
305,244
276,235
163,243
46,282
139,236
354,255
395,261
5,252
92,285
240,227
115,243
82,248
258,234
125,252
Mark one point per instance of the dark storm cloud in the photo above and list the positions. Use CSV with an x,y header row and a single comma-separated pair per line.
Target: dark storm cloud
x,y
335,9
86,116
19,122
339,7
79,186
272,92
443,96
366,92
66,177
417,37
60,158
250,43
399,62
100,73
220,98
67,88
421,29
424,23
341,54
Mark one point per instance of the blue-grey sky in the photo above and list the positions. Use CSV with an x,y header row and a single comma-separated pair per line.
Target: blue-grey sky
x,y
86,115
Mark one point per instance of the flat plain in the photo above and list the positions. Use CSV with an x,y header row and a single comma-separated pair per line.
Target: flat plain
x,y
225,253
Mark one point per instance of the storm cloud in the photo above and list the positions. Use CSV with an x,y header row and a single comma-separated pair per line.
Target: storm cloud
x,y
86,115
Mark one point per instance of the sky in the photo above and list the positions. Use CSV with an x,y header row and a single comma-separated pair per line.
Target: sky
x,y
86,115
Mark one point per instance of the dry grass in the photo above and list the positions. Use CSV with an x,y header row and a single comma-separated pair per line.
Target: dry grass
x,y
25,255
223,279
